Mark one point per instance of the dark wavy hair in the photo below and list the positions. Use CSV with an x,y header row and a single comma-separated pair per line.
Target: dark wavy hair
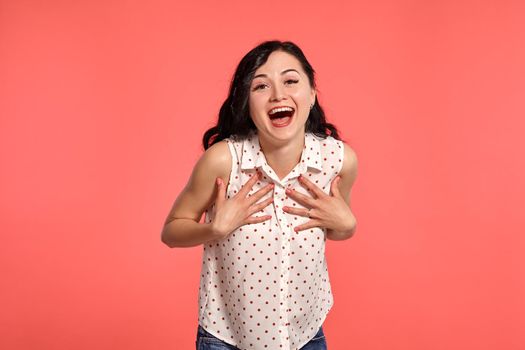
x,y
234,115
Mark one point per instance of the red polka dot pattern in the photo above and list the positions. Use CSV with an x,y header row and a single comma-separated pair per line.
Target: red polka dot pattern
x,y
265,286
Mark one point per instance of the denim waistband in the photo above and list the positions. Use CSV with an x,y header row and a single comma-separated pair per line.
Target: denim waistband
x,y
201,331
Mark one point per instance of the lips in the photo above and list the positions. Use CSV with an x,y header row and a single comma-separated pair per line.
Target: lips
x,y
280,111
281,116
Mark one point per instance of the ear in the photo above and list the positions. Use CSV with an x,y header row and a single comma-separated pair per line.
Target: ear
x,y
313,95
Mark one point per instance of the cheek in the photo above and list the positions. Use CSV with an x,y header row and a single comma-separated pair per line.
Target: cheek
x,y
256,111
256,103
303,105
301,96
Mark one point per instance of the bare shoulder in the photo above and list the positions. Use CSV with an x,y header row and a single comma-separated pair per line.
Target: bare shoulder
x,y
348,172
200,190
349,168
216,160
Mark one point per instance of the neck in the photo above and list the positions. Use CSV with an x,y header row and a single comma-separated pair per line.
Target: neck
x,y
282,156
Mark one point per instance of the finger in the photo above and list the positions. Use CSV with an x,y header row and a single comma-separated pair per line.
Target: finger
x,y
245,189
257,219
334,187
221,191
260,206
260,193
297,211
307,225
311,186
301,198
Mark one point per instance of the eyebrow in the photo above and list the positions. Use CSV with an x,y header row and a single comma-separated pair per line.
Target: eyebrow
x,y
284,71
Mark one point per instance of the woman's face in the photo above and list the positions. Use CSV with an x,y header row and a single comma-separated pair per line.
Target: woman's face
x,y
280,82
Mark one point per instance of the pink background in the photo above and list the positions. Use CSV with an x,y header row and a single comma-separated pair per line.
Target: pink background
x,y
103,105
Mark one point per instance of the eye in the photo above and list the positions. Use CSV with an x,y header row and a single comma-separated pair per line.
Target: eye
x,y
257,87
293,81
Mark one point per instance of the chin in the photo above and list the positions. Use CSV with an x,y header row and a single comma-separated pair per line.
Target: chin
x,y
285,133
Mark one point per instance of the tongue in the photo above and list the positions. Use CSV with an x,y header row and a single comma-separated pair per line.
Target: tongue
x,y
280,121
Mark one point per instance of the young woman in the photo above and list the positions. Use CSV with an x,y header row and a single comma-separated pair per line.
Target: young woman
x,y
274,184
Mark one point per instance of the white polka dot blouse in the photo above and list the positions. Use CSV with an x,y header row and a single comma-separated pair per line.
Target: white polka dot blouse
x,y
265,286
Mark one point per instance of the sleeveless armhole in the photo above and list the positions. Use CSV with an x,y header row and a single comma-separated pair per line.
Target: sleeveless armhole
x,y
341,153
234,162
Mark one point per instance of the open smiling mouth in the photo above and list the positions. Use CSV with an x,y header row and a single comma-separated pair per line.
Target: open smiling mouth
x,y
281,116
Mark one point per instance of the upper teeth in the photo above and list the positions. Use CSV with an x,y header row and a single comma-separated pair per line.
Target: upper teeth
x,y
280,109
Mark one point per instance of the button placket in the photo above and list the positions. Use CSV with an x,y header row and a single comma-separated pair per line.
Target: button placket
x,y
271,174
280,195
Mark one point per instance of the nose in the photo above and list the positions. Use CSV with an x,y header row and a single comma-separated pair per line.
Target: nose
x,y
277,93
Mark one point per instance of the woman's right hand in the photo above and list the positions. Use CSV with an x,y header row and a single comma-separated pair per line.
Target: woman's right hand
x,y
231,213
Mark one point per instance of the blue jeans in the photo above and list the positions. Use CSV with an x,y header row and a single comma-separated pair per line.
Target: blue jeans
x,y
206,341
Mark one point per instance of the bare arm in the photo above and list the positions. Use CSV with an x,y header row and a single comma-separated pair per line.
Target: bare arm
x,y
348,175
182,227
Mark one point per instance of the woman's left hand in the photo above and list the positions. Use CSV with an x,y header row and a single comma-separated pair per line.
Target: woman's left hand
x,y
326,211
